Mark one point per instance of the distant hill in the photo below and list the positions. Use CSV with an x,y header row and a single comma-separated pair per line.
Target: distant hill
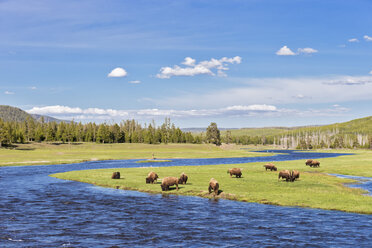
x,y
9,113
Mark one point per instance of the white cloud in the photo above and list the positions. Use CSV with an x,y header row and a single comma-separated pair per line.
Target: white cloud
x,y
285,51
107,114
367,38
370,72
264,110
33,88
353,40
204,67
255,107
117,72
9,93
189,61
135,82
307,50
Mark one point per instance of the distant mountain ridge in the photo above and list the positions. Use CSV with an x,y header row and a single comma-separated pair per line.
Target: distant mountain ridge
x,y
9,113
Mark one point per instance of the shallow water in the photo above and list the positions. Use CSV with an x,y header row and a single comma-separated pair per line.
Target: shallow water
x,y
363,182
40,211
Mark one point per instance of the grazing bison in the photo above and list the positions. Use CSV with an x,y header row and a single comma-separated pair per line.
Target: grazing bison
x,y
235,171
151,177
168,181
295,175
285,174
270,167
115,175
315,163
308,162
213,186
183,178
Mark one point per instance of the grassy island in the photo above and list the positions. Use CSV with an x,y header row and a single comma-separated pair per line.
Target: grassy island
x,y
314,189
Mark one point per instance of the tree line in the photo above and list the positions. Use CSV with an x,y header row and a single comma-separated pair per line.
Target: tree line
x,y
128,131
306,139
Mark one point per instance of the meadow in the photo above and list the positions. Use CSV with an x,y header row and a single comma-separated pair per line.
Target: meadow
x,y
314,189
63,153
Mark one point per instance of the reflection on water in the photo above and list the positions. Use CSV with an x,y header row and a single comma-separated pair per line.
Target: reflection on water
x,y
40,211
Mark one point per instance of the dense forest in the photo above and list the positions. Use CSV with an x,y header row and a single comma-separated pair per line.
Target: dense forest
x,y
129,131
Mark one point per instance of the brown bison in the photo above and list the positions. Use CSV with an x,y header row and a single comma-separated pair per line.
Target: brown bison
x,y
315,163
308,162
235,171
183,178
270,167
115,175
295,175
168,181
152,177
285,174
213,186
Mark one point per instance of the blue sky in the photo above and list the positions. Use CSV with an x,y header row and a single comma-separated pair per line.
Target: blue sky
x,y
238,63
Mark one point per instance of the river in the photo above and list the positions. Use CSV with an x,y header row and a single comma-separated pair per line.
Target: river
x,y
40,211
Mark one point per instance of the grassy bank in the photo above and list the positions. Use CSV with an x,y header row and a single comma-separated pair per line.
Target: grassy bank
x,y
315,189
57,153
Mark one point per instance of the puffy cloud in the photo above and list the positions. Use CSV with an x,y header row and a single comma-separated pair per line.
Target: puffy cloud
x,y
353,40
285,51
307,50
367,38
264,110
9,93
100,114
135,82
33,88
204,67
117,72
189,61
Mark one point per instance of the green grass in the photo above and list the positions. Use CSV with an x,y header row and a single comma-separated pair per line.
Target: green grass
x,y
315,189
46,153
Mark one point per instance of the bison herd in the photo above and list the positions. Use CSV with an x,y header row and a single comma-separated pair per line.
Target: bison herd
x,y
287,175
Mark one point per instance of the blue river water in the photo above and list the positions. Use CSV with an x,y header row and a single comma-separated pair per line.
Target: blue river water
x,y
40,211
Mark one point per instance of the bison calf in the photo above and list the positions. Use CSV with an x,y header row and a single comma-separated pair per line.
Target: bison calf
x,y
183,178
213,186
151,177
167,182
235,171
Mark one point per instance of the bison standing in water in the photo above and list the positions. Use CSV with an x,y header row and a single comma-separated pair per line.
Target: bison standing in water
x,y
270,167
115,175
235,171
213,186
152,177
183,178
285,174
167,182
